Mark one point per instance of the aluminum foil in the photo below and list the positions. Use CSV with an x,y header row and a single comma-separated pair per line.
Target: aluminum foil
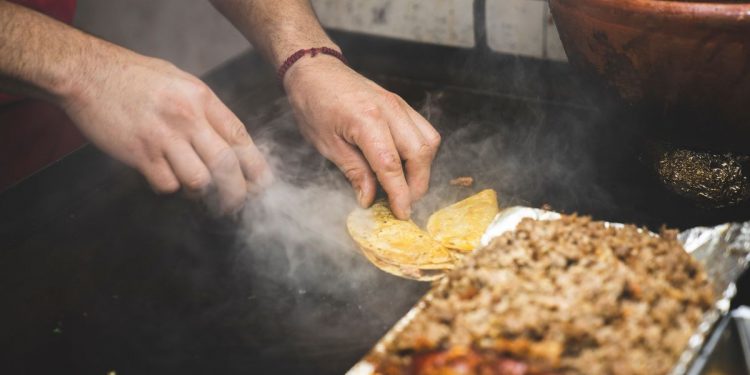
x,y
724,251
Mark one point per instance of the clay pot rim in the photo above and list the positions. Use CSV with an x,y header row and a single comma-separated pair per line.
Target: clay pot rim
x,y
666,9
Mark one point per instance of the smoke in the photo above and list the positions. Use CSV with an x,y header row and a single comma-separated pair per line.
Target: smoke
x,y
515,147
302,215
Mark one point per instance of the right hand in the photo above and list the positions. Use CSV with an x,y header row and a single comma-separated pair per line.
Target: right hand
x,y
167,124
371,134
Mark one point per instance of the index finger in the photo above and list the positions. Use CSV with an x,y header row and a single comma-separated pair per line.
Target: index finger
x,y
376,142
414,148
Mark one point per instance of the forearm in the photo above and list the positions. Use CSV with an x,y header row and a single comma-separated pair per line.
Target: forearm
x,y
276,28
41,57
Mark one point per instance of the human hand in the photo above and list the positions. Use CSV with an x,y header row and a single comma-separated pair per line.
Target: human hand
x,y
168,124
364,129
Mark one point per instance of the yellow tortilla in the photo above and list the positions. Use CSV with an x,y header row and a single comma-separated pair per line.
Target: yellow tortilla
x,y
461,225
397,246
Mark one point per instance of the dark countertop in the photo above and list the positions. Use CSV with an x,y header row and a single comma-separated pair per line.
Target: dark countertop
x,y
99,274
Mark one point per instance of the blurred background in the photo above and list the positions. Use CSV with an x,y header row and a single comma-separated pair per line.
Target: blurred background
x,y
194,36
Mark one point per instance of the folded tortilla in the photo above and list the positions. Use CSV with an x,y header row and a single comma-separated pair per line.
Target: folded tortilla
x,y
398,246
461,225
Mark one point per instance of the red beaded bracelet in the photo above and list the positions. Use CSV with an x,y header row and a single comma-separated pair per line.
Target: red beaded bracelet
x,y
301,53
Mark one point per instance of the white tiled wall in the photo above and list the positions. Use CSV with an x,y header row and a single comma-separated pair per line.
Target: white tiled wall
x,y
516,27
522,27
448,22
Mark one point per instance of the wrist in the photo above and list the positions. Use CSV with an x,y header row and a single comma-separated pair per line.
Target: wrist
x,y
78,71
67,88
85,74
281,51
311,63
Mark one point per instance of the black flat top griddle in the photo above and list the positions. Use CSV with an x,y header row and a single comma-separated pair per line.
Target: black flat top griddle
x,y
98,274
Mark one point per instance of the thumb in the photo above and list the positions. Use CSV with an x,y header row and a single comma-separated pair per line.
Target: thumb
x,y
356,169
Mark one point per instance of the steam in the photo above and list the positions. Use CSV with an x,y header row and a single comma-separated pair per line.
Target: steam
x,y
303,214
531,153
514,147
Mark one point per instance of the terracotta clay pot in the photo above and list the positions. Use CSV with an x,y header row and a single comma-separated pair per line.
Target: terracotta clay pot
x,y
686,63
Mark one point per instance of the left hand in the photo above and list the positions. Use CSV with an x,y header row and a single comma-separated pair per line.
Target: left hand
x,y
367,131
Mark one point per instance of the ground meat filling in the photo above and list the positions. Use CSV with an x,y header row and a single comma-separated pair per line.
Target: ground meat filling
x,y
572,296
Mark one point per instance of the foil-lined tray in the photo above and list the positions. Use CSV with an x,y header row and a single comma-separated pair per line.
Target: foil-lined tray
x,y
724,250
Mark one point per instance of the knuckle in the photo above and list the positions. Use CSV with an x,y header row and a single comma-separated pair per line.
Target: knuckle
x,y
237,131
353,173
163,135
140,151
158,138
156,131
392,100
198,181
180,107
390,163
354,132
224,159
374,114
184,102
197,89
434,139
424,152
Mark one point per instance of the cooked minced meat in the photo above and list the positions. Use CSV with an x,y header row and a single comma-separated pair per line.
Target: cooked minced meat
x,y
572,296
